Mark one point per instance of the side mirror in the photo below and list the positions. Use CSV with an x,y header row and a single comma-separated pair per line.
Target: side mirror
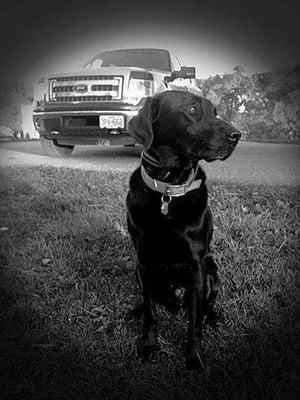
x,y
184,73
187,72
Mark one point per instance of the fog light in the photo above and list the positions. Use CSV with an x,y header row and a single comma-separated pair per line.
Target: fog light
x,y
55,132
37,124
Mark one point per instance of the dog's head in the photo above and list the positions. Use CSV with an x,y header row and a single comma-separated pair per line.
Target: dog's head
x,y
185,122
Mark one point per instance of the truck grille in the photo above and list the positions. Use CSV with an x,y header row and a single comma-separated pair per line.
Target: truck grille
x,y
85,88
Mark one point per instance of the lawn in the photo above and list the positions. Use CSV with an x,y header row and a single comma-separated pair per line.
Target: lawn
x,y
67,282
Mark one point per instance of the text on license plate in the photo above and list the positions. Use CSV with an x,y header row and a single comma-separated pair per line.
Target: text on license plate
x,y
111,121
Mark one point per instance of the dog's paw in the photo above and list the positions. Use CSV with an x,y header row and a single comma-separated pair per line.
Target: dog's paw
x,y
148,348
147,351
135,314
194,361
213,319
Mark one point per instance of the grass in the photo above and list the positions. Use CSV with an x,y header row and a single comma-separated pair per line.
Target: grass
x,y
67,282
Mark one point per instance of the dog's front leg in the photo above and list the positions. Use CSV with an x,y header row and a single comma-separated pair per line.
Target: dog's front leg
x,y
149,338
212,286
194,353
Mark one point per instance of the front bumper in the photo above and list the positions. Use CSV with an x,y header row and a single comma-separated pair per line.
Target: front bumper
x,y
81,126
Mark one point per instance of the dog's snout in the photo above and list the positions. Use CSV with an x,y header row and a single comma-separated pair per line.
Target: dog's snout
x,y
235,136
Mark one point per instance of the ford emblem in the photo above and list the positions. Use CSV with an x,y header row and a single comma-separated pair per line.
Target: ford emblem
x,y
80,88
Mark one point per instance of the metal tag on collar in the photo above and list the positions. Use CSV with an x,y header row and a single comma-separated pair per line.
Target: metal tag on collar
x,y
165,201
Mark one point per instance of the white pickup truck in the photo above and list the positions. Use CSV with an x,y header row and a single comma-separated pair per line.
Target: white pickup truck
x,y
94,104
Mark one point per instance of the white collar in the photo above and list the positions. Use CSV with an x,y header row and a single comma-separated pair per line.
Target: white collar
x,y
172,190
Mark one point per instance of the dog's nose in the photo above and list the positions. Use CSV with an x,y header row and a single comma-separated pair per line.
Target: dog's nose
x,y
235,136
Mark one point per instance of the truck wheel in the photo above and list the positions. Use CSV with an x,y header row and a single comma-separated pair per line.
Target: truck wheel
x,y
53,149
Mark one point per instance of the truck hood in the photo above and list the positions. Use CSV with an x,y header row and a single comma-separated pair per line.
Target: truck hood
x,y
104,71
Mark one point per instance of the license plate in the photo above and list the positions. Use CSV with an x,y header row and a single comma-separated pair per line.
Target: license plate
x,y
103,142
111,121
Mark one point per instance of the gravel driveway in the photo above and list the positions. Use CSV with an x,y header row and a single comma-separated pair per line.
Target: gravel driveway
x,y
258,163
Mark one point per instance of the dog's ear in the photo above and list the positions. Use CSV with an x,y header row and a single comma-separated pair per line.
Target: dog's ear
x,y
140,126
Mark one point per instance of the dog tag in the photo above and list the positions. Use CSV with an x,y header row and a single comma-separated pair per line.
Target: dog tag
x,y
165,201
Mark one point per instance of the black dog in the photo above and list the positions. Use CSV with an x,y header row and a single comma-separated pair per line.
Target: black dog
x,y
168,217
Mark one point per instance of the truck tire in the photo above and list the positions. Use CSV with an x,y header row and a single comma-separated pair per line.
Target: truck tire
x,y
53,149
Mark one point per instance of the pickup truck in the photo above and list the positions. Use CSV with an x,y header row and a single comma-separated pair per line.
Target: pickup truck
x,y
94,104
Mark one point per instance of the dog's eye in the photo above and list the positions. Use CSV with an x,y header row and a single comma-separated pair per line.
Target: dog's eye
x,y
192,110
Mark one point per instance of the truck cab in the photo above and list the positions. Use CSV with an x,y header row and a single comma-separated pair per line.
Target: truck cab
x,y
94,104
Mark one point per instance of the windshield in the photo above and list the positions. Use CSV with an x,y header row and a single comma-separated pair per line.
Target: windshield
x,y
141,58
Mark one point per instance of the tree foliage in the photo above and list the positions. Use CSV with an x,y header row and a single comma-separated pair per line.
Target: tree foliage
x,y
12,96
264,106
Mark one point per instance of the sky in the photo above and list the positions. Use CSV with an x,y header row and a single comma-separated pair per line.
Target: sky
x,y
38,37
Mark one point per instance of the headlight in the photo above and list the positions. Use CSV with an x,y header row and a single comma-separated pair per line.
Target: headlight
x,y
141,84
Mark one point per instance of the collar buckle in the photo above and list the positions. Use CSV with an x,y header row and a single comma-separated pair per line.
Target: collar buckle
x,y
176,190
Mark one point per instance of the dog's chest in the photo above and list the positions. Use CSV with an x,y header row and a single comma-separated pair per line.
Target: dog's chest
x,y
172,239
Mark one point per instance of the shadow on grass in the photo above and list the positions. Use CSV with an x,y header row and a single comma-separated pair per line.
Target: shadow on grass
x,y
67,282
42,360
